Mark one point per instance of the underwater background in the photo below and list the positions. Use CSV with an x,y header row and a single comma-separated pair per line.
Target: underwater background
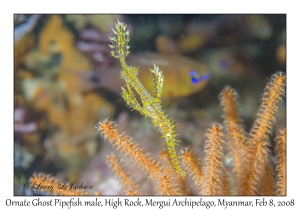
x,y
66,81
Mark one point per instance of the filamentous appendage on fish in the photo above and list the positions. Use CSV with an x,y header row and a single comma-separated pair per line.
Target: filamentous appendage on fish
x,y
151,106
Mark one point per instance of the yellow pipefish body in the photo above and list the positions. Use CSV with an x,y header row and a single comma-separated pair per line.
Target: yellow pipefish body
x,y
151,105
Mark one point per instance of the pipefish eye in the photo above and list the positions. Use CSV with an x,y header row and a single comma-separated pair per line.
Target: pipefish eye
x,y
196,78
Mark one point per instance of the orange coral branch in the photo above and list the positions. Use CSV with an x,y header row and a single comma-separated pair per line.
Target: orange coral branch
x,y
232,123
178,180
265,118
192,164
213,171
167,183
131,192
128,183
127,146
256,158
229,102
267,184
280,151
252,170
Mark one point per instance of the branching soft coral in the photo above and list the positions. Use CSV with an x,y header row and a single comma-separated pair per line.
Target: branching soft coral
x,y
129,185
257,156
128,147
280,151
234,129
193,165
253,169
213,169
